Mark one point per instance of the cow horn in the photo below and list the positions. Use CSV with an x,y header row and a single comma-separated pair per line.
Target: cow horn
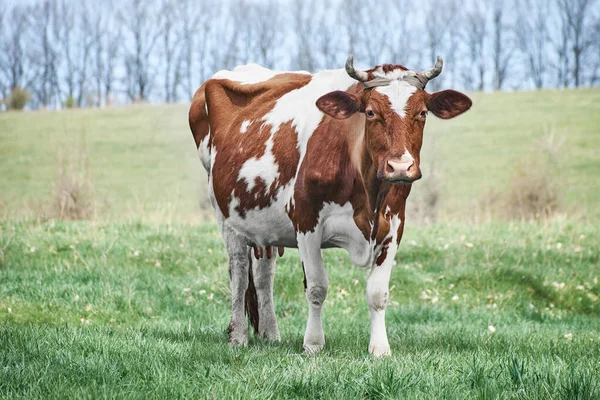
x,y
431,73
358,74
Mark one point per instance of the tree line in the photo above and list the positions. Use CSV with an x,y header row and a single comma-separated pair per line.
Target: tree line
x,y
84,53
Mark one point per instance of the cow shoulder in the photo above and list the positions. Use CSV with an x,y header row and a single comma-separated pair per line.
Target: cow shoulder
x,y
326,174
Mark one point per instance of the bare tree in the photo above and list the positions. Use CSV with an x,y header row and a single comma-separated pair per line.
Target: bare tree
x,y
574,14
531,32
305,29
403,46
268,33
328,46
140,21
13,57
474,32
502,46
193,32
169,48
561,40
595,67
439,20
84,50
46,38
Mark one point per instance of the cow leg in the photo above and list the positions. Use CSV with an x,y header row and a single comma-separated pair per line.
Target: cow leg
x,y
239,263
377,298
317,283
263,270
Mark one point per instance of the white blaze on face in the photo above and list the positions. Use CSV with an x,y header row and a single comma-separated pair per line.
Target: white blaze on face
x,y
398,92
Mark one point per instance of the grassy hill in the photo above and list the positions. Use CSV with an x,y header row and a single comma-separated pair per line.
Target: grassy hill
x,y
142,161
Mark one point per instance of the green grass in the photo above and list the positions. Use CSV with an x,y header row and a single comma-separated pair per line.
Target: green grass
x,y
142,159
135,310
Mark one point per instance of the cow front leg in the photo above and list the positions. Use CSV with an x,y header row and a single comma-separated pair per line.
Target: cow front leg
x,y
377,298
264,273
317,284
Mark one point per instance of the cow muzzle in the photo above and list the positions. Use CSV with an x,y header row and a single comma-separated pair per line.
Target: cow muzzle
x,y
402,169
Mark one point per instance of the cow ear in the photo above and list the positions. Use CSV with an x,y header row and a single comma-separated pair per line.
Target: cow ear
x,y
448,104
338,104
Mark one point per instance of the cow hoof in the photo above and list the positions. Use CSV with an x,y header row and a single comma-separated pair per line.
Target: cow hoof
x,y
380,351
238,335
269,331
311,349
272,336
238,340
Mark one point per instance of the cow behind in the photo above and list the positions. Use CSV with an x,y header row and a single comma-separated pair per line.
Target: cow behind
x,y
313,161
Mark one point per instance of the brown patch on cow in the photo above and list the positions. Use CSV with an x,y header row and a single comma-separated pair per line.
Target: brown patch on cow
x,y
198,119
448,104
229,104
385,68
384,250
338,104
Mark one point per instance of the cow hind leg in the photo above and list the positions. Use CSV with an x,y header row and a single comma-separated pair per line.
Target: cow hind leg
x,y
263,274
239,270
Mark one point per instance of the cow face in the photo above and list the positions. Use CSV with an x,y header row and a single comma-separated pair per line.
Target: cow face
x,y
395,110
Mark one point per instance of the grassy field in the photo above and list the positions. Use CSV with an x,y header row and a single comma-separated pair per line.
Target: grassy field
x,y
133,302
142,161
105,310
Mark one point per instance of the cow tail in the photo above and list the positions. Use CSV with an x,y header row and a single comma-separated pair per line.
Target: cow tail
x,y
251,298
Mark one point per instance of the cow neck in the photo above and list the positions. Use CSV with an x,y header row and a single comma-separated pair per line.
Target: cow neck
x,y
375,190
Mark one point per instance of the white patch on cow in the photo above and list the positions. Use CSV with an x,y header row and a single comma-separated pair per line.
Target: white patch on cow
x,y
398,92
263,167
246,74
251,73
204,152
378,292
339,230
245,126
407,156
397,73
269,226
299,106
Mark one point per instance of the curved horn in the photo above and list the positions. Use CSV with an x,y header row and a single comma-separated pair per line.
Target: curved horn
x,y
431,73
358,74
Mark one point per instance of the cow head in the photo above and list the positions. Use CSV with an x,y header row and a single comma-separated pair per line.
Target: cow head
x,y
395,104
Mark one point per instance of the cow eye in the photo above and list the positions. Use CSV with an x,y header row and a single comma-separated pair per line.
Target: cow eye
x,y
423,114
370,114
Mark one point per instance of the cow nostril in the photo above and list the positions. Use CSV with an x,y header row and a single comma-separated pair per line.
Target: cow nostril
x,y
389,168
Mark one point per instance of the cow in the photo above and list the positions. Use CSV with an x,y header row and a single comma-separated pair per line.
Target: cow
x,y
313,161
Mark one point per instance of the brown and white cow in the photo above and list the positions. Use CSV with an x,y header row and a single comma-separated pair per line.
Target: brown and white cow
x,y
312,162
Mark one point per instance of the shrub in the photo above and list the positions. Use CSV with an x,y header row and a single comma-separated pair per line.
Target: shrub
x,y
533,193
18,99
74,192
70,102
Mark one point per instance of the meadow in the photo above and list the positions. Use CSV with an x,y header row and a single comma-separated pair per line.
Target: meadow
x,y
132,301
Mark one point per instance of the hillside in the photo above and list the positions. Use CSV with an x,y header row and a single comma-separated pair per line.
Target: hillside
x,y
141,160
